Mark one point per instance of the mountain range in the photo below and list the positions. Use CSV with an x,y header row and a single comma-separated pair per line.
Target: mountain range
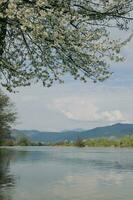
x,y
111,131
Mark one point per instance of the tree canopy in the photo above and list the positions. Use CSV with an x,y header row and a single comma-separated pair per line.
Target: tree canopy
x,y
7,115
46,39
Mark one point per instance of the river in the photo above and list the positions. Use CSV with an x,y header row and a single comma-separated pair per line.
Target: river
x,y
66,173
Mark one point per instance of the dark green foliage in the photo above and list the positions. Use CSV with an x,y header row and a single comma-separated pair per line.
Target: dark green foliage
x,y
8,142
40,144
23,142
79,143
7,116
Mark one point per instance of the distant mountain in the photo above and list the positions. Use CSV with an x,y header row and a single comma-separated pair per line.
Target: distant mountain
x,y
113,131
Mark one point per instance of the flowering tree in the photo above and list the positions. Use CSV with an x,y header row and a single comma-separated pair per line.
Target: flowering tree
x,y
45,39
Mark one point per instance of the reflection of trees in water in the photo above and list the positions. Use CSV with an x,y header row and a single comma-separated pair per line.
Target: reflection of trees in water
x,y
6,179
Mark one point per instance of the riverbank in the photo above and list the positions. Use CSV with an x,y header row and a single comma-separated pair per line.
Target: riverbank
x,y
126,141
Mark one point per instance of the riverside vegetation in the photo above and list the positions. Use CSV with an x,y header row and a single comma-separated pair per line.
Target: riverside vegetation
x,y
126,141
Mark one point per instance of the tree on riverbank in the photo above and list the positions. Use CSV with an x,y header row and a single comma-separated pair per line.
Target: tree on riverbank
x,y
126,141
46,39
7,116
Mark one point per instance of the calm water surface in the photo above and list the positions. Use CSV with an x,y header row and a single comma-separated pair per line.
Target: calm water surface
x,y
59,173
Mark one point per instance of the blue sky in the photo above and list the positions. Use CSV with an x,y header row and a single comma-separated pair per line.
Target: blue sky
x,y
76,105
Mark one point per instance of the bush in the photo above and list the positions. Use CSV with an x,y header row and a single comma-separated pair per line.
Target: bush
x,y
79,143
24,142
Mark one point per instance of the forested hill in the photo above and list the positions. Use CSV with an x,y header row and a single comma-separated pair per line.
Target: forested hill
x,y
113,131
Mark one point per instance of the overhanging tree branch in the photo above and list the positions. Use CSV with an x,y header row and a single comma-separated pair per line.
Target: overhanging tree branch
x,y
44,40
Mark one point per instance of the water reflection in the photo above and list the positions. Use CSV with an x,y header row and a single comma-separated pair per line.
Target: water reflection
x,y
107,159
38,173
7,180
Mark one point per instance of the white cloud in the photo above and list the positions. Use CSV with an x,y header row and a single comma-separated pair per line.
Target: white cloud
x,y
74,105
85,109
